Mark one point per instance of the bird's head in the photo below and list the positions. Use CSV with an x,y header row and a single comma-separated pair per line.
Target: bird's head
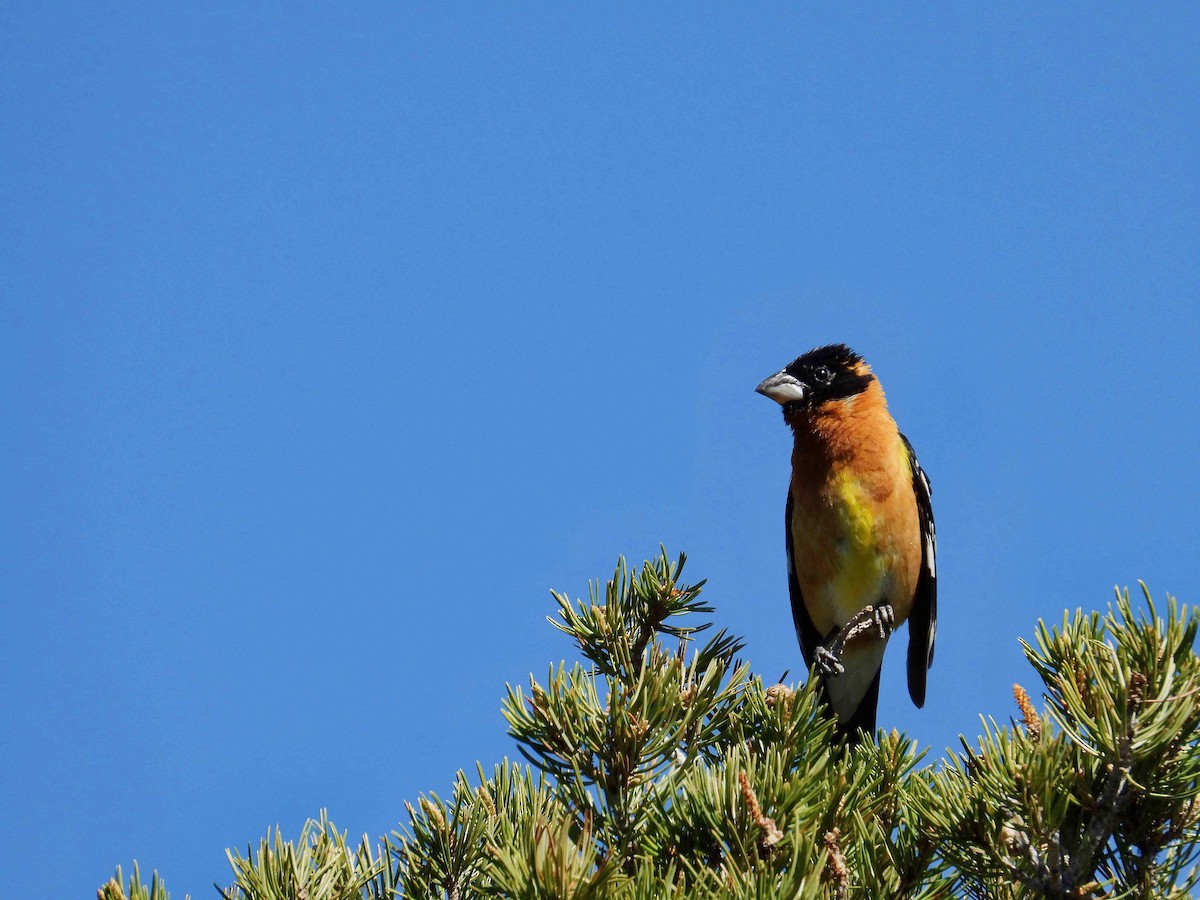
x,y
822,375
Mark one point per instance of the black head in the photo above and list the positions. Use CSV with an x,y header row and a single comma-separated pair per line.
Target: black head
x,y
827,373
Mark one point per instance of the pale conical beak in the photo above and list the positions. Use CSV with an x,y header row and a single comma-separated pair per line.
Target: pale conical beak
x,y
783,388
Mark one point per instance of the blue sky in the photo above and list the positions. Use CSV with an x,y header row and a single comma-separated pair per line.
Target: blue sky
x,y
333,338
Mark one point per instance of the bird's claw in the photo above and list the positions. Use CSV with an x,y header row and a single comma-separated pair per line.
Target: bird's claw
x,y
880,617
885,620
828,663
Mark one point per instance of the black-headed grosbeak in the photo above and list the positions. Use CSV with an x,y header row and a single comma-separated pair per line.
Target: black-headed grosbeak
x,y
860,535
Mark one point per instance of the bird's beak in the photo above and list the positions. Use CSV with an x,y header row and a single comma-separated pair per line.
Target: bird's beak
x,y
783,388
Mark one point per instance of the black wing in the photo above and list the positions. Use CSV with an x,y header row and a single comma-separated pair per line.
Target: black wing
x,y
922,621
806,631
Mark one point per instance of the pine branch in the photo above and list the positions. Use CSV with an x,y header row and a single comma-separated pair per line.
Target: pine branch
x,y
660,765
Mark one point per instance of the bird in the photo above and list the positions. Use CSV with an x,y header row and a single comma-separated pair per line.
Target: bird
x,y
861,543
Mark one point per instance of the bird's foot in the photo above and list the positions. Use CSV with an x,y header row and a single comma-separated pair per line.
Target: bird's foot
x,y
880,617
828,662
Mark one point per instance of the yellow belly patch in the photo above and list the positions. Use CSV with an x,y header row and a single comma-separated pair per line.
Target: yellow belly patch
x,y
842,563
862,571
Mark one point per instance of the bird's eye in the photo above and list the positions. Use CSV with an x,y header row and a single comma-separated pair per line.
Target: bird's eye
x,y
823,374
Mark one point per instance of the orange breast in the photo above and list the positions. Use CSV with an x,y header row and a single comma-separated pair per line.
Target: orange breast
x,y
855,531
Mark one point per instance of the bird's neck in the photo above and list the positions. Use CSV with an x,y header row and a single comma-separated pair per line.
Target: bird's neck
x,y
858,428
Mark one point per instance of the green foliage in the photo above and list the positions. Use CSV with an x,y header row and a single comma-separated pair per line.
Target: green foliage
x,y
661,765
114,888
1098,795
320,865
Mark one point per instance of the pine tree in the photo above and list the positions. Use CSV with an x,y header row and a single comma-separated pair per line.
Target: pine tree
x,y
660,765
